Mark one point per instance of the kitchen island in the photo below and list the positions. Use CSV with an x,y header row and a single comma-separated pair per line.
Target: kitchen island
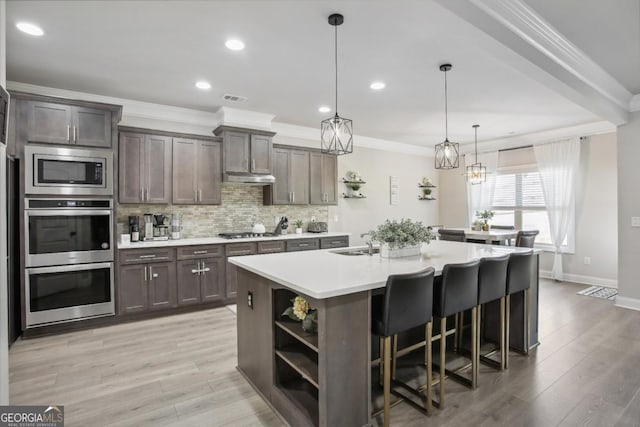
x,y
324,378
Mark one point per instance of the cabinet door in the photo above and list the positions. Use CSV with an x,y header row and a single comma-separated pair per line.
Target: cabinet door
x,y
189,282
131,168
209,173
49,123
280,189
260,154
185,154
132,289
330,178
231,288
236,152
91,127
162,285
299,177
212,279
157,169
316,191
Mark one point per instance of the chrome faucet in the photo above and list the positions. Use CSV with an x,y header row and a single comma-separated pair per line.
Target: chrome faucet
x,y
369,243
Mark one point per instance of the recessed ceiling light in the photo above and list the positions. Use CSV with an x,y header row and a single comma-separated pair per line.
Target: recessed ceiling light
x,y
29,28
324,109
203,85
377,85
234,44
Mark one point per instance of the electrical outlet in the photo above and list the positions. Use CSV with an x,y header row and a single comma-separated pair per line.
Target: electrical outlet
x,y
635,221
250,300
587,260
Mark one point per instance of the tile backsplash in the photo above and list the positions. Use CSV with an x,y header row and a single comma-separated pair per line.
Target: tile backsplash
x,y
241,205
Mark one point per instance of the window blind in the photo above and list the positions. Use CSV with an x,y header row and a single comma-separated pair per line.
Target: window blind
x,y
518,191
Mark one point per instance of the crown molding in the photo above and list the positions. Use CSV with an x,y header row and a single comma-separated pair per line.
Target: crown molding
x,y
546,55
587,129
313,134
244,118
634,104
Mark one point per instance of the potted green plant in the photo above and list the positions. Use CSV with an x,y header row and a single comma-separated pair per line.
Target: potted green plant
x,y
401,238
426,192
298,223
485,216
301,311
477,225
354,183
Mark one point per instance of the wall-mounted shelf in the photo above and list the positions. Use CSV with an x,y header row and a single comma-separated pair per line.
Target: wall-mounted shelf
x,y
426,198
353,197
354,193
426,186
353,182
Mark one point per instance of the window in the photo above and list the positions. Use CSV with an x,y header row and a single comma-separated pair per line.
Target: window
x,y
519,200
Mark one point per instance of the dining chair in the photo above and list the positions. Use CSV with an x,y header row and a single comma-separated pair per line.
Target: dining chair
x,y
452,235
526,238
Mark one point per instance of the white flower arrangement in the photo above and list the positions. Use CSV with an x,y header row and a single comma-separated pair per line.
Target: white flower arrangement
x,y
400,234
426,182
354,176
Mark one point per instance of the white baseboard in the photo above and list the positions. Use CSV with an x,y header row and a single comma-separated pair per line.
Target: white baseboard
x,y
625,302
587,280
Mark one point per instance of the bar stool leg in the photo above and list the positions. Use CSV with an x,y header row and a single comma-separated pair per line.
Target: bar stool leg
x,y
394,357
502,332
387,380
474,347
380,367
507,314
527,320
443,350
429,368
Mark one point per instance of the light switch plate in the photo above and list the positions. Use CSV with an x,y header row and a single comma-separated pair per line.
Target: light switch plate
x,y
250,300
635,221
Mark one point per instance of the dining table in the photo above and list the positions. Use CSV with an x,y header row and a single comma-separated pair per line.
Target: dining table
x,y
492,235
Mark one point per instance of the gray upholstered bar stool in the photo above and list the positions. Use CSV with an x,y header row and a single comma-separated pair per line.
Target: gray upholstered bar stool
x,y
518,280
492,286
526,238
456,291
407,303
452,235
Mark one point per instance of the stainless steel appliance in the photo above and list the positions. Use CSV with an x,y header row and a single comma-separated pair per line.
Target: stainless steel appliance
x,y
317,227
68,231
245,235
68,171
148,226
69,292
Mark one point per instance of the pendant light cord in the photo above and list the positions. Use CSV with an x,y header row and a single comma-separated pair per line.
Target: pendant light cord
x,y
336,63
446,119
476,129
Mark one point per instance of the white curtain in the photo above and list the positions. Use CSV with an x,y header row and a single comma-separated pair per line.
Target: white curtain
x,y
480,196
558,164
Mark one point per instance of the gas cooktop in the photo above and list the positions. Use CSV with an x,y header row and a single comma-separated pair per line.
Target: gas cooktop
x,y
244,235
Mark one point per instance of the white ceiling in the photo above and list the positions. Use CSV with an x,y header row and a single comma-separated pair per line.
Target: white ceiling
x,y
155,51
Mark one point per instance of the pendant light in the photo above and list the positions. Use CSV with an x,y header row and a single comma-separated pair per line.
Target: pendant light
x,y
476,173
446,152
336,133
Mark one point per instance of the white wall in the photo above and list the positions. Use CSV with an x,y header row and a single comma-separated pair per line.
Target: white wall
x,y
375,167
629,206
596,213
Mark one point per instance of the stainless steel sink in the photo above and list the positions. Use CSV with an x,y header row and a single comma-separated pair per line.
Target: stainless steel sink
x,y
356,251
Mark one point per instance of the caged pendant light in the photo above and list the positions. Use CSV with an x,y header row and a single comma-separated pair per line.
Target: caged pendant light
x,y
446,152
336,133
476,173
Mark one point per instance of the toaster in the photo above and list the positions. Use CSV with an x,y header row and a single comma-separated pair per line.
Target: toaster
x,y
317,227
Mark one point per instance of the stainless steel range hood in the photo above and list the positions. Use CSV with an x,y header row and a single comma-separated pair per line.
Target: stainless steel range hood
x,y
248,179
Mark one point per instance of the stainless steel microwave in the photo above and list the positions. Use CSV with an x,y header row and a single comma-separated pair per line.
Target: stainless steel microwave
x,y
68,171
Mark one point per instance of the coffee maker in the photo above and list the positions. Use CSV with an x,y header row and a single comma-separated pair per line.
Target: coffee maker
x,y
176,226
160,230
134,228
148,227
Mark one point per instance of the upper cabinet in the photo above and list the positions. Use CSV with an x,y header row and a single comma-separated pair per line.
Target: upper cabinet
x,y
144,168
197,172
245,150
53,123
323,178
291,170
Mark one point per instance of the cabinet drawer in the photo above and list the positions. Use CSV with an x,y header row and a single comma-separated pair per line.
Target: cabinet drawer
x,y
334,242
271,247
190,252
132,256
303,245
235,249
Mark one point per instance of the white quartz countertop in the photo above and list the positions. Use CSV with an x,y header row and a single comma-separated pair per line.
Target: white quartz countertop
x,y
220,240
325,273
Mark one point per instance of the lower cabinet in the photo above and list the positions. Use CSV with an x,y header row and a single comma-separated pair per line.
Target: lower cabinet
x,y
200,280
145,287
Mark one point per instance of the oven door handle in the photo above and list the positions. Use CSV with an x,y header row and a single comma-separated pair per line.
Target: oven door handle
x,y
73,267
67,212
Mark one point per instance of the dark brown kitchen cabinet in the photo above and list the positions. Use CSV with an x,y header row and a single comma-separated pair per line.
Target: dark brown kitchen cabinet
x,y
197,173
291,170
200,280
145,168
53,123
145,287
236,249
246,150
323,178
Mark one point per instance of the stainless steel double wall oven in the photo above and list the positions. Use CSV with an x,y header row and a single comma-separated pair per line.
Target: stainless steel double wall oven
x,y
68,241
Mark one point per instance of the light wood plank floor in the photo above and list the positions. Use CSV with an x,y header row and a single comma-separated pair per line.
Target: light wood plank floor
x,y
180,371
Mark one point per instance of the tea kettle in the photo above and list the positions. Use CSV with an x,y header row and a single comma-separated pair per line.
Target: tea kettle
x,y
258,228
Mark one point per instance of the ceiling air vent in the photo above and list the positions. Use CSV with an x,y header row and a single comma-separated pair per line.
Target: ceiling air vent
x,y
234,98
